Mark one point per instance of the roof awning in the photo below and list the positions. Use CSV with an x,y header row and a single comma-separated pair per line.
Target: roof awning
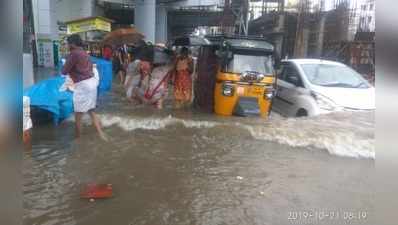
x,y
96,23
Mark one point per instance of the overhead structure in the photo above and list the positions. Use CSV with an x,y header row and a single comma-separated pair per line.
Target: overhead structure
x,y
184,21
235,18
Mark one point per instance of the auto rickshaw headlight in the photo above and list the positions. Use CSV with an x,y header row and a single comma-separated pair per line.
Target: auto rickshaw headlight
x,y
269,93
260,77
227,90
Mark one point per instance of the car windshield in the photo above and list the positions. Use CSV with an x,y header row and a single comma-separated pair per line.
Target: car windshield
x,y
243,63
334,76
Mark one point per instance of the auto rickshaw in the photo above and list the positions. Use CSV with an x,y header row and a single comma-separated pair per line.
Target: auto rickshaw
x,y
245,81
240,81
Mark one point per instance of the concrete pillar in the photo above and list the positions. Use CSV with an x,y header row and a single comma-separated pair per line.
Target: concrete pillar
x,y
306,36
46,30
145,18
28,77
321,32
279,28
161,24
44,14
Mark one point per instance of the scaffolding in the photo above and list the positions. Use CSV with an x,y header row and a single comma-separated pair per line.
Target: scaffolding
x,y
235,17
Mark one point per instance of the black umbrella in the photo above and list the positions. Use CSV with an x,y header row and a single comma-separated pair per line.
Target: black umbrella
x,y
190,41
161,55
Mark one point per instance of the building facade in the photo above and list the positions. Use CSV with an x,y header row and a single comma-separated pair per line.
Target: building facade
x,y
367,16
149,16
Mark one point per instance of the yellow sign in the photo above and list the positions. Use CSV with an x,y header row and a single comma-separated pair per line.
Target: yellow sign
x,y
88,24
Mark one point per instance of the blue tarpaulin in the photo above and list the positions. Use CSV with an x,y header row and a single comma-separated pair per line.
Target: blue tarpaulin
x,y
105,72
104,68
46,95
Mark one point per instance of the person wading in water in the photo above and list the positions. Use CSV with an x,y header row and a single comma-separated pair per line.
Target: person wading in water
x,y
80,69
183,78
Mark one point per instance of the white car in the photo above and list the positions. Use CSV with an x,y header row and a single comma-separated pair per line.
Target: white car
x,y
309,87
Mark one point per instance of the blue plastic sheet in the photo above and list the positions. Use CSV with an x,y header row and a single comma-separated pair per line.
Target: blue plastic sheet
x,y
105,72
104,68
46,95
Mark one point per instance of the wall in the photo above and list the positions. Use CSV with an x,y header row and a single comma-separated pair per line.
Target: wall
x,y
48,12
98,11
74,9
46,15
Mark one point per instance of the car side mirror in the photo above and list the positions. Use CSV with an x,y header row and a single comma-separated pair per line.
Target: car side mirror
x,y
230,56
276,63
278,71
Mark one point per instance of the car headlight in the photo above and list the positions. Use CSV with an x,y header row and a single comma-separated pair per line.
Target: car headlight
x,y
227,89
324,102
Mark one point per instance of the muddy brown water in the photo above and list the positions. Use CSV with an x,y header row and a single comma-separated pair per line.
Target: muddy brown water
x,y
184,167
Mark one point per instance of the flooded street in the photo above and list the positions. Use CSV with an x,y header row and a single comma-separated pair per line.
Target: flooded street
x,y
183,167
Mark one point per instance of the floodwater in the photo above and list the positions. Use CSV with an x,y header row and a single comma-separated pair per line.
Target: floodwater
x,y
180,167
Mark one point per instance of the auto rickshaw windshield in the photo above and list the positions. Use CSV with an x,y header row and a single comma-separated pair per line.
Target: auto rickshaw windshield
x,y
243,63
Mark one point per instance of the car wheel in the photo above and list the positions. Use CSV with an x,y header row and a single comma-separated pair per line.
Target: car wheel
x,y
301,113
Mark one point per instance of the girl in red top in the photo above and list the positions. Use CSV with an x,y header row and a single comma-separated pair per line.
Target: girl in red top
x,y
107,52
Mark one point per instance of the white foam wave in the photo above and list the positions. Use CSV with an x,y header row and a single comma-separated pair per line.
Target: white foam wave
x,y
337,137
151,123
337,143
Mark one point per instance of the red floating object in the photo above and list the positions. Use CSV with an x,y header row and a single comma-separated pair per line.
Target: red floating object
x,y
95,191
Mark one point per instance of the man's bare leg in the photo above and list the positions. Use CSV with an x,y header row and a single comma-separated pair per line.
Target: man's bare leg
x,y
78,124
27,140
121,77
97,125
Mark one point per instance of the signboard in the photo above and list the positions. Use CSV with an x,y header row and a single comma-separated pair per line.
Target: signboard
x,y
88,24
45,53
62,28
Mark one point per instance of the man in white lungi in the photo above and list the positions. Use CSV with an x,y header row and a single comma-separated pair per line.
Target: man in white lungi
x,y
80,70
